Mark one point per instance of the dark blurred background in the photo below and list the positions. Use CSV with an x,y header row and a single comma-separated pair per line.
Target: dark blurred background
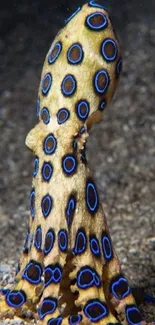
x,y
31,26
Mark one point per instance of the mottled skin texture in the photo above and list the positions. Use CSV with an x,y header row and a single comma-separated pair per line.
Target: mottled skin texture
x,y
87,280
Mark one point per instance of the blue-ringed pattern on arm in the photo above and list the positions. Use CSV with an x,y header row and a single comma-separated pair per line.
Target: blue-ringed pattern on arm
x,y
69,271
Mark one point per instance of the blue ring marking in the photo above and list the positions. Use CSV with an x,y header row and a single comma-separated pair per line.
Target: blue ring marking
x,y
45,88
92,200
75,319
45,111
70,91
26,244
49,241
119,287
107,247
134,319
66,112
87,277
49,151
46,200
74,13
4,292
98,89
80,242
82,130
95,310
14,295
36,166
47,307
96,5
53,274
59,46
35,272
97,280
109,58
78,60
149,298
55,321
32,203
94,246
63,240
102,105
66,159
47,171
118,67
98,27
38,238
70,209
37,107
82,116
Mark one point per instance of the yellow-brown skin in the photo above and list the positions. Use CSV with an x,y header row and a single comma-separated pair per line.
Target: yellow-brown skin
x,y
61,186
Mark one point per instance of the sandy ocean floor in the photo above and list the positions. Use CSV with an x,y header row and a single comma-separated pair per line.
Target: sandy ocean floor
x,y
121,149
